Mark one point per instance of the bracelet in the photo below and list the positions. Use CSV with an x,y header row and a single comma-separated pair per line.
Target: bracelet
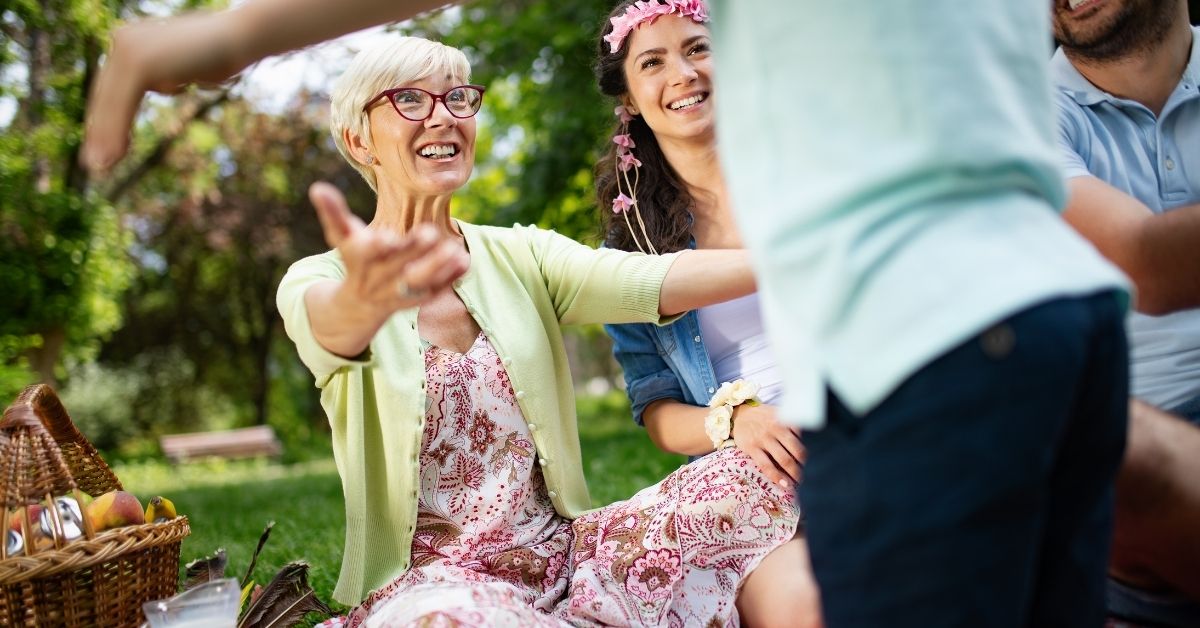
x,y
718,425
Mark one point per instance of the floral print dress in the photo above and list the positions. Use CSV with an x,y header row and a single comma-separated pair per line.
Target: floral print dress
x,y
489,549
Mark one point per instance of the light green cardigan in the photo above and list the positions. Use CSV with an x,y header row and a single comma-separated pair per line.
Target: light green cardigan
x,y
523,283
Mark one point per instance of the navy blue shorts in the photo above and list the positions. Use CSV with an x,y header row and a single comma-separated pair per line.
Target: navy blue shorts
x,y
980,492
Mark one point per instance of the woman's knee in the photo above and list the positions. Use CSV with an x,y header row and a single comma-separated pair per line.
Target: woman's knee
x,y
782,591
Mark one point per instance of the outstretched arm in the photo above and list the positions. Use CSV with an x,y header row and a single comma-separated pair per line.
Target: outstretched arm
x,y
704,277
384,273
165,55
1157,251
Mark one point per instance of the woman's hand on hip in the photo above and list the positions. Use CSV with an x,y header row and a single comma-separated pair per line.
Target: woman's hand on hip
x,y
775,448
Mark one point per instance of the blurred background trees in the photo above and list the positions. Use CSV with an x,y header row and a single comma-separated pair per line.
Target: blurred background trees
x,y
148,297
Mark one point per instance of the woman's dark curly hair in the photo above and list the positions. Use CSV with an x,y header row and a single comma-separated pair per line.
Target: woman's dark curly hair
x,y
662,198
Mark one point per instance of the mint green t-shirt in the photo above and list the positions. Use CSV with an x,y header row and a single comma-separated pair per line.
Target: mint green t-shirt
x,y
895,178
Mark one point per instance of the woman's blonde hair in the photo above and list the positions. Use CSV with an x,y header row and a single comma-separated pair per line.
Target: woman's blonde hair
x,y
383,66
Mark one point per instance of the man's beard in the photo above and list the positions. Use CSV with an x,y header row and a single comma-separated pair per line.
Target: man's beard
x,y
1140,25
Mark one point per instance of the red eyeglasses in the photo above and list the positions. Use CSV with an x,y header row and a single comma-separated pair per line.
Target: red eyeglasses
x,y
416,104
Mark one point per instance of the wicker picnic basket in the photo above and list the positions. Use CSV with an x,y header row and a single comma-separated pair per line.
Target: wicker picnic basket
x,y
97,579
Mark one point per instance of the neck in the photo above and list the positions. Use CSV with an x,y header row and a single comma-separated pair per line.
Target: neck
x,y
399,212
699,167
1148,76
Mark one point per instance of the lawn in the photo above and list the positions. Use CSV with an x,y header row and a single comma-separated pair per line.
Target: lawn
x,y
229,503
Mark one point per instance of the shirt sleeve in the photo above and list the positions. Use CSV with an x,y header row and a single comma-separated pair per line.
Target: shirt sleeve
x,y
1070,137
648,377
292,308
590,285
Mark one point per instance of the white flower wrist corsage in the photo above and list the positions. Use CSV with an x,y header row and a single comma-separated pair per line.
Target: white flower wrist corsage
x,y
718,425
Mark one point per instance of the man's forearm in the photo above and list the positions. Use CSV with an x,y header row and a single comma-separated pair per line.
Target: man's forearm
x,y
1159,252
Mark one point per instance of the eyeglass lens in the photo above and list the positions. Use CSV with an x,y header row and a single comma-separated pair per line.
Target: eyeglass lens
x,y
414,104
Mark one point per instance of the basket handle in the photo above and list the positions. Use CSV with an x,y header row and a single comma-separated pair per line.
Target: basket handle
x,y
21,415
91,473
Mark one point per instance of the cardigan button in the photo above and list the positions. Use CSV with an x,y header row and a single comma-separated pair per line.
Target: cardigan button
x,y
532,427
507,361
520,394
542,461
552,494
697,338
710,390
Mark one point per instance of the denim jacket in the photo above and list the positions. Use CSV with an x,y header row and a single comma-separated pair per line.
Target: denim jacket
x,y
668,362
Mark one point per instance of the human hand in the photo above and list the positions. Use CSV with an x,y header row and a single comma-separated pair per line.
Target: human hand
x,y
153,55
385,272
776,449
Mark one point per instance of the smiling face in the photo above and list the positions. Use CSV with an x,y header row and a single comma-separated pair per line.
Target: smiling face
x,y
668,72
1105,30
433,157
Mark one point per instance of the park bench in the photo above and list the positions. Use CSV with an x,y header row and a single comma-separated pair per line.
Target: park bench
x,y
247,442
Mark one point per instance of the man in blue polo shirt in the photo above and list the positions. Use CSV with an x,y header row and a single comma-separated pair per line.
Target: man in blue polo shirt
x,y
1128,78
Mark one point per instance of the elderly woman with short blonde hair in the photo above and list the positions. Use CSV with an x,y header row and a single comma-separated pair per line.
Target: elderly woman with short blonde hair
x,y
452,410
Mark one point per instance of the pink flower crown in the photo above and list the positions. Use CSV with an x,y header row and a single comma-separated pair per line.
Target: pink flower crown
x,y
651,10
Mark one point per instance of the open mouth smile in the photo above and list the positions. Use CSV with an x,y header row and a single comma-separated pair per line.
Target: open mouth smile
x,y
438,152
689,102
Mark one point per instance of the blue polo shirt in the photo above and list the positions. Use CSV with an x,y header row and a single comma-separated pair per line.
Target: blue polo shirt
x,y
896,182
1157,161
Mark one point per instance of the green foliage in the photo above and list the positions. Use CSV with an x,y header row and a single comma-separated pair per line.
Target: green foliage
x,y
62,247
123,409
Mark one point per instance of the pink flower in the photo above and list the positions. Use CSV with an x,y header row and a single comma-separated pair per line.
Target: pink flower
x,y
653,576
628,161
650,10
621,203
623,113
624,141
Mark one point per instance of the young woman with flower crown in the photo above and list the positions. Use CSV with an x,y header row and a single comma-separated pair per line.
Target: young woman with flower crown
x,y
707,382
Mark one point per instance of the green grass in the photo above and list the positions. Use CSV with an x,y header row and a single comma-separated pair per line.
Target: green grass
x,y
229,503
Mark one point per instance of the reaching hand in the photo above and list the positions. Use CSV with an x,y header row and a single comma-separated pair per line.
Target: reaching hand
x,y
209,47
776,449
386,272
155,55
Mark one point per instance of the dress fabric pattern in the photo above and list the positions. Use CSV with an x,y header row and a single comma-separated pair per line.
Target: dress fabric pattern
x,y
489,549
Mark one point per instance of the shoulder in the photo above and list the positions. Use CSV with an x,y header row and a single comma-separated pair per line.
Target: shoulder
x,y
495,239
326,265
519,239
1073,122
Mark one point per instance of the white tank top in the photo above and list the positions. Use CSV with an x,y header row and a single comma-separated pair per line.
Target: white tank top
x,y
738,347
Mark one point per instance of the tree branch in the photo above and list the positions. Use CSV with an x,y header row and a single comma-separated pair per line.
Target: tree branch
x,y
156,156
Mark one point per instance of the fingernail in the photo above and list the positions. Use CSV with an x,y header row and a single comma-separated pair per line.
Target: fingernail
x,y
787,486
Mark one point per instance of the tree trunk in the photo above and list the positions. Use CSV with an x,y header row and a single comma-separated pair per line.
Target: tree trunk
x,y
44,358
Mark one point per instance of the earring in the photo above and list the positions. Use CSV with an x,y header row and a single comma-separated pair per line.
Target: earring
x,y
370,160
